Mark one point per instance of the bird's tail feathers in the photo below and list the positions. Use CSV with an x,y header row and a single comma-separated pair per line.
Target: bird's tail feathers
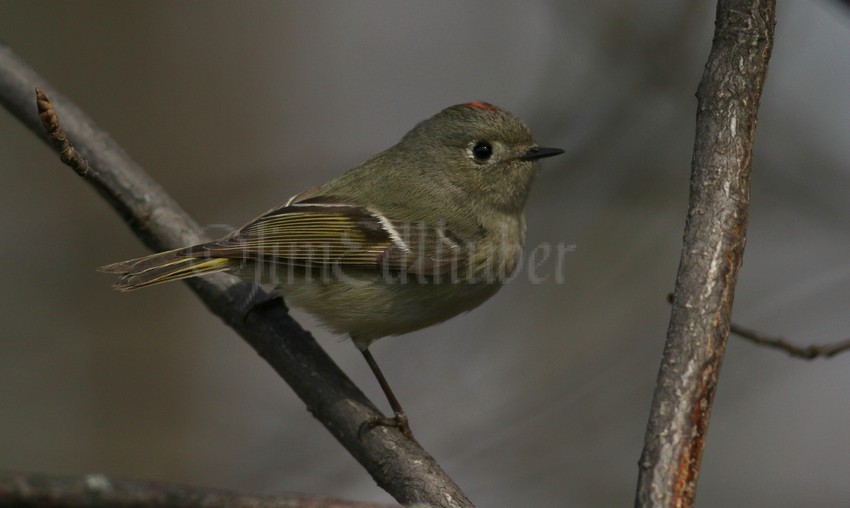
x,y
162,267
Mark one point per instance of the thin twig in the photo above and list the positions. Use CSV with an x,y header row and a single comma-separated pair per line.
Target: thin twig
x,y
98,490
713,247
781,343
398,465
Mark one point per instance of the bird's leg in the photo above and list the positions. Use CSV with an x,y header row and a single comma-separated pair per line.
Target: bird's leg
x,y
399,421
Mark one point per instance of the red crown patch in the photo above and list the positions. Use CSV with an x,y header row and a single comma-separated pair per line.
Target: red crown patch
x,y
481,105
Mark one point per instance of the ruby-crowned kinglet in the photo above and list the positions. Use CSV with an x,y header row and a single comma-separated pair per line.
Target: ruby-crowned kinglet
x,y
419,233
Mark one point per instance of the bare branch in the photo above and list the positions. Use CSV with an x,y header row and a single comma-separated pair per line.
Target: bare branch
x,y
397,464
712,253
781,343
805,352
97,490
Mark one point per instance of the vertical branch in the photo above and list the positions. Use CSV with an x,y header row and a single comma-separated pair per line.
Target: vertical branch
x,y
715,233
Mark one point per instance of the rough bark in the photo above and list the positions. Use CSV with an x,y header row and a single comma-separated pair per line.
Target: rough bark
x,y
715,234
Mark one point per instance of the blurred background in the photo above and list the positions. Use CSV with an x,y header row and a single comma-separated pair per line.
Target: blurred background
x,y
538,398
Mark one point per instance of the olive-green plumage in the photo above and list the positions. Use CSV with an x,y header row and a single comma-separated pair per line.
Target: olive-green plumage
x,y
421,232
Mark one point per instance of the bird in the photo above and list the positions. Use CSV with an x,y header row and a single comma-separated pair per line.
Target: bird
x,y
421,232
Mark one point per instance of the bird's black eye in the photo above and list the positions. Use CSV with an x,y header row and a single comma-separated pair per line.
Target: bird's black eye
x,y
482,151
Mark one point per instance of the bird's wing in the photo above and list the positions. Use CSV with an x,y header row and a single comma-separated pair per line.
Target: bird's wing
x,y
322,231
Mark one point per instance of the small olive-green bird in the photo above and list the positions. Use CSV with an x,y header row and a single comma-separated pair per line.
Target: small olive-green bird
x,y
419,233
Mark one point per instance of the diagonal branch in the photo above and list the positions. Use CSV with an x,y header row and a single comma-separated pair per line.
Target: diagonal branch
x,y
397,464
715,232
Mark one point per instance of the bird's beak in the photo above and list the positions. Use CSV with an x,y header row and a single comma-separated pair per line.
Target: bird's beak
x,y
538,152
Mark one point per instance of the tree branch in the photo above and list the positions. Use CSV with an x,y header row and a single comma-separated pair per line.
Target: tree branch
x,y
783,344
774,341
715,232
397,464
97,490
